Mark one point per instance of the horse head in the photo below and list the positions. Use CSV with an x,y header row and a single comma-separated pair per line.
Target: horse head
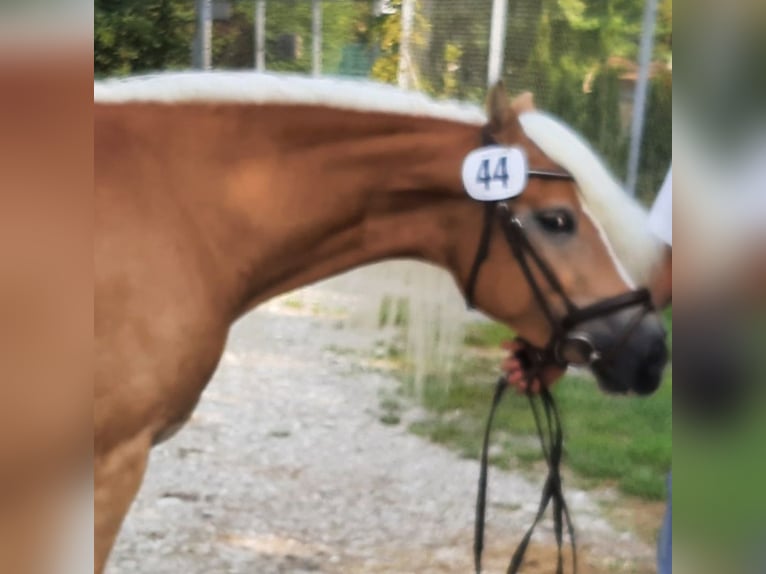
x,y
567,232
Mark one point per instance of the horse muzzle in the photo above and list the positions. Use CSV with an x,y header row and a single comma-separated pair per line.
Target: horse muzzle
x,y
627,356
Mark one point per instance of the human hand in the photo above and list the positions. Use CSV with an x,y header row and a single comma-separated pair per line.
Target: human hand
x,y
517,375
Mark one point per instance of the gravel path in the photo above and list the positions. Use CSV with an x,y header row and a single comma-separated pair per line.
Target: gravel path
x,y
286,468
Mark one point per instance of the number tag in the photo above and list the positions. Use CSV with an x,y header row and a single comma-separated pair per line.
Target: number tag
x,y
495,173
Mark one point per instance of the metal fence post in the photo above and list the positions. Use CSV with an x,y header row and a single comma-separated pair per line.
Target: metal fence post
x,y
405,57
201,55
260,35
316,38
497,41
639,99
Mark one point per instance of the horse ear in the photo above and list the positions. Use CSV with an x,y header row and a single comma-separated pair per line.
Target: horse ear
x,y
502,117
498,106
524,102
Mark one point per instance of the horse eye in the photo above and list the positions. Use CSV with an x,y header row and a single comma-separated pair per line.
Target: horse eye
x,y
556,221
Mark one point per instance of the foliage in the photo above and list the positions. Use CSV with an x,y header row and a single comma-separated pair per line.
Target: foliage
x,y
487,334
385,32
722,465
385,35
573,62
288,22
133,36
141,35
657,145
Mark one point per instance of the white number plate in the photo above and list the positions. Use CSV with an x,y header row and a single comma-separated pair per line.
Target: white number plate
x,y
495,173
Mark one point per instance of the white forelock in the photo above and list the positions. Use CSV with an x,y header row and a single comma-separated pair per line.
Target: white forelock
x,y
267,88
623,219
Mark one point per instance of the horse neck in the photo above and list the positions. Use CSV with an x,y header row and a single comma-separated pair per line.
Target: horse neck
x,y
312,192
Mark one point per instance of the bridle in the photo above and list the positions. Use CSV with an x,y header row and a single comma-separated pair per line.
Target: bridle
x,y
566,345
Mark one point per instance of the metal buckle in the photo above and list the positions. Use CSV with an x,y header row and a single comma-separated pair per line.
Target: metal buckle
x,y
577,349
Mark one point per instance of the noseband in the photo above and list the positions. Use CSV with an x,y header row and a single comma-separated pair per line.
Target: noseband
x,y
566,345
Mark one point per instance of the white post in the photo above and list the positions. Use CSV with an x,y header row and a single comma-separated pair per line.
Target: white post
x,y
203,38
497,41
639,99
316,38
405,60
260,35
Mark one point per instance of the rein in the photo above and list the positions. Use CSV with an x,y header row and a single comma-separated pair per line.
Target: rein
x,y
566,345
552,446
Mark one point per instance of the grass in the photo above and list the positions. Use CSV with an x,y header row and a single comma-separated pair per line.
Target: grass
x,y
393,311
487,334
293,303
625,441
391,409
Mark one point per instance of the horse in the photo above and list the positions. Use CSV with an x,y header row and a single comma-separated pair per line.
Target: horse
x,y
216,191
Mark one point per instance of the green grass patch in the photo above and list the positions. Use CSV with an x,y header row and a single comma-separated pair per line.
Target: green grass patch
x,y
487,334
338,350
390,404
390,419
293,303
391,408
393,311
718,478
625,440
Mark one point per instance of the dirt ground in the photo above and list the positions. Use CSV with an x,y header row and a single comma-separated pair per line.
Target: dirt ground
x,y
286,467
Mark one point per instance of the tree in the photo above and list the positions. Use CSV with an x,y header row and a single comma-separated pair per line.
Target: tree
x,y
568,59
142,35
288,34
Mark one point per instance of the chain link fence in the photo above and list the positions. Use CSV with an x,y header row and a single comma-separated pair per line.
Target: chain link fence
x,y
580,59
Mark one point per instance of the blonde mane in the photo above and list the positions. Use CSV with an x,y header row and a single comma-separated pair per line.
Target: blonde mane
x,y
287,89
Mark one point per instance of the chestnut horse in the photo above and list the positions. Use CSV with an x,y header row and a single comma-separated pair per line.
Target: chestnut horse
x,y
218,191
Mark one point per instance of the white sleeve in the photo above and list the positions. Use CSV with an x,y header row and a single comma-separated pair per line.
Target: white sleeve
x,y
661,214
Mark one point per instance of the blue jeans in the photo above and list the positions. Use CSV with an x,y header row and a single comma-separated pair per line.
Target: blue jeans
x,y
665,542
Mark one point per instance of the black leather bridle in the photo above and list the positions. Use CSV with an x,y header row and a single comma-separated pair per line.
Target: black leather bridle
x,y
561,347
566,345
